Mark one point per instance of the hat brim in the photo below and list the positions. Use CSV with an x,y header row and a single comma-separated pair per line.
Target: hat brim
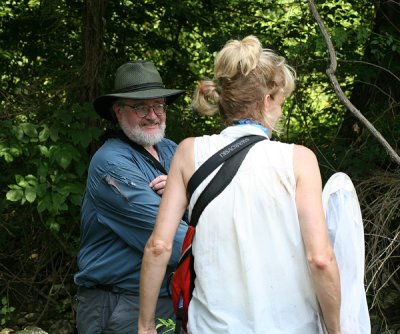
x,y
103,104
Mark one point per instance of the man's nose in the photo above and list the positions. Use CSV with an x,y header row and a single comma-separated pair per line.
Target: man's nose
x,y
151,114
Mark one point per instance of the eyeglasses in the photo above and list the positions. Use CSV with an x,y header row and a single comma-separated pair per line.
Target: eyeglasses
x,y
142,110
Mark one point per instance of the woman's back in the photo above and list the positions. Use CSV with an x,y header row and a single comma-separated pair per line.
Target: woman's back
x,y
261,251
250,263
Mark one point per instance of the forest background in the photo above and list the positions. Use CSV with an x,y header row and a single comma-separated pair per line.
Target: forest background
x,y
56,56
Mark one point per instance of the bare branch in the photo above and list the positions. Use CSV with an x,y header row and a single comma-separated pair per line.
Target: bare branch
x,y
331,70
373,65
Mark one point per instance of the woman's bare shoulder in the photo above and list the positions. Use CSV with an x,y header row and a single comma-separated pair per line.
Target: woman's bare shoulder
x,y
185,148
184,158
303,154
187,142
305,163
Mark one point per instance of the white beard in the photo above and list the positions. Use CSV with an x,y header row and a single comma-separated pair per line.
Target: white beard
x,y
137,135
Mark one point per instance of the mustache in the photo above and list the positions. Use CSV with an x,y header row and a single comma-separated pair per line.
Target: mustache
x,y
150,122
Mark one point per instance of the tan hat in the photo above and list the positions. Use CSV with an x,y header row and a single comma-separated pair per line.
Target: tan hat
x,y
137,80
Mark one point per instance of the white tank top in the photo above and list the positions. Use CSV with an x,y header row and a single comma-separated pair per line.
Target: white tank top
x,y
252,272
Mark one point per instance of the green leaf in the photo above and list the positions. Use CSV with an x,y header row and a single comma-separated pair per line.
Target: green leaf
x,y
14,187
64,155
18,132
53,224
29,129
54,135
44,134
64,159
19,178
58,201
74,188
34,3
76,199
42,189
15,195
45,204
44,150
5,153
21,182
30,194
31,179
43,170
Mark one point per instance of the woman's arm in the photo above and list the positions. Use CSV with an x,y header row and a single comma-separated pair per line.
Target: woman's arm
x,y
159,246
320,255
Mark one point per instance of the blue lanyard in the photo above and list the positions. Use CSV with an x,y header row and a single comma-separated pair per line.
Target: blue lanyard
x,y
249,121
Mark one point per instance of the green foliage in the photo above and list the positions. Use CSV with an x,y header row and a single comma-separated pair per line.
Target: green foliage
x,y
48,129
384,45
55,161
168,326
5,311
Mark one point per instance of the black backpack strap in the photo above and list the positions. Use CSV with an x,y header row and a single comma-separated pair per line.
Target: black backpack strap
x,y
218,183
156,164
153,161
178,321
217,159
221,180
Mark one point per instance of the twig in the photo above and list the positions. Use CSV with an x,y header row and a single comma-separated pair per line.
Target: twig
x,y
339,93
373,65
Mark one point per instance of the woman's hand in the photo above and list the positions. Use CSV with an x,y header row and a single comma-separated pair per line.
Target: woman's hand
x,y
147,330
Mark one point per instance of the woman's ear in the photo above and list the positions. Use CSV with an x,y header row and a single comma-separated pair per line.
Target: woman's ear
x,y
267,101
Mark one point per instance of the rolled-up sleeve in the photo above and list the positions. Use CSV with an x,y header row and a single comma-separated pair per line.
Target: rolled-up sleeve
x,y
127,205
118,214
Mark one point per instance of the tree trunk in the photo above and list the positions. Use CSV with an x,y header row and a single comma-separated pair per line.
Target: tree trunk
x,y
92,69
93,48
377,88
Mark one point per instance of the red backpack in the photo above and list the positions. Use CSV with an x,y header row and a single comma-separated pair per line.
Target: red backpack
x,y
182,283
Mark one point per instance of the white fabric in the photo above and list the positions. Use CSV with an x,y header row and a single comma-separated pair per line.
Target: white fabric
x,y
252,273
346,231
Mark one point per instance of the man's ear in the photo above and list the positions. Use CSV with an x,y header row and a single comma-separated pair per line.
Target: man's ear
x,y
116,109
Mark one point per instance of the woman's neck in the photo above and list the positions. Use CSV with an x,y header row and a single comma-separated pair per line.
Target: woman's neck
x,y
250,121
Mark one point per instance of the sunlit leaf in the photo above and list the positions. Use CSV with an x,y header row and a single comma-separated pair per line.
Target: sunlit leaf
x,y
15,195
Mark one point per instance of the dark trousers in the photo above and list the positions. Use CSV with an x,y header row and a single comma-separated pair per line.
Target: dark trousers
x,y
113,311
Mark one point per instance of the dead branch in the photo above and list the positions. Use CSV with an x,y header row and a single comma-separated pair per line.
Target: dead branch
x,y
331,70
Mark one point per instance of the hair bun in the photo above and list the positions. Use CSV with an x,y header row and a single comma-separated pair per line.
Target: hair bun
x,y
238,57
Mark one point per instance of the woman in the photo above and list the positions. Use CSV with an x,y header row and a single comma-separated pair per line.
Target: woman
x,y
263,260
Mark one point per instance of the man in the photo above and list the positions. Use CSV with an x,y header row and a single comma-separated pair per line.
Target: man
x,y
126,178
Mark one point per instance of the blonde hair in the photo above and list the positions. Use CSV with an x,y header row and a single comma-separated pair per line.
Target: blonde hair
x,y
244,74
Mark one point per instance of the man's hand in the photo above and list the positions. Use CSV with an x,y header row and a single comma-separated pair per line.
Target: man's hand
x,y
158,184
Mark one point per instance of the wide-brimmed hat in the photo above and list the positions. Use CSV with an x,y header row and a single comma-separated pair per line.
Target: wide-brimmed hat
x,y
137,80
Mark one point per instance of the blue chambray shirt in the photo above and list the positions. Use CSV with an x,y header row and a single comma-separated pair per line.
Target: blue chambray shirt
x,y
118,214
